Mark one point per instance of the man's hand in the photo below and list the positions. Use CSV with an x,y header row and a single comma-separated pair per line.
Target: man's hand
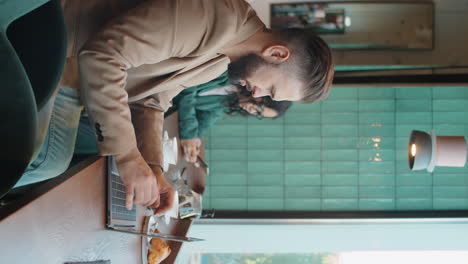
x,y
166,200
191,148
141,184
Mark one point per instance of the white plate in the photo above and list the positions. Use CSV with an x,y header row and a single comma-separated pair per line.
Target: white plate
x,y
149,226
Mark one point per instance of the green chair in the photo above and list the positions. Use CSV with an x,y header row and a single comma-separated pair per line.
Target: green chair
x,y
32,56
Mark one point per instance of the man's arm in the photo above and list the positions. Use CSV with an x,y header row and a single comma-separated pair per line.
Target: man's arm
x,y
128,41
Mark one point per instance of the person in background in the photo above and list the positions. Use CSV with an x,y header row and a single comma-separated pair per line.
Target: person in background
x,y
201,106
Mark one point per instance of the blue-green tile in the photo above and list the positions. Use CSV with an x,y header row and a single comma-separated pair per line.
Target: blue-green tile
x,y
224,178
451,170
265,143
228,192
339,179
265,155
265,179
340,130
340,118
452,105
376,204
302,131
265,204
451,129
303,192
329,106
414,93
377,192
291,162
376,93
265,131
402,154
228,142
451,192
377,179
450,92
450,204
405,130
264,167
345,142
414,204
340,154
385,167
414,117
377,118
424,192
302,142
343,93
402,142
402,167
305,108
229,203
228,167
375,106
302,118
207,192
206,203
333,167
302,167
339,191
340,204
423,179
265,191
376,142
228,131
450,117
302,179
228,155
422,105
376,155
450,179
373,130
303,204
302,155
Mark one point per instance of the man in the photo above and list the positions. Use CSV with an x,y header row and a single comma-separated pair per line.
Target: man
x,y
131,68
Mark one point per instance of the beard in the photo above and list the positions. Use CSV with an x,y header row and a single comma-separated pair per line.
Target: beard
x,y
244,67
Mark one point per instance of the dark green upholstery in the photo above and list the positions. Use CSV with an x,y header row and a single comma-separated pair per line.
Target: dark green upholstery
x,y
18,117
39,39
32,52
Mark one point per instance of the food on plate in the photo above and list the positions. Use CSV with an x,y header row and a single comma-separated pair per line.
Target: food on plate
x,y
159,251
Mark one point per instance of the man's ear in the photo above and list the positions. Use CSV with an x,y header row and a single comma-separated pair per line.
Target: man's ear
x,y
276,54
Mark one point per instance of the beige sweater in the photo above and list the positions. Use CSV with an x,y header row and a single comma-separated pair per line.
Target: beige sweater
x,y
145,56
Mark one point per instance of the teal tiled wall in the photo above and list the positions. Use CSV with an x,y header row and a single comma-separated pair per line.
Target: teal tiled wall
x,y
346,153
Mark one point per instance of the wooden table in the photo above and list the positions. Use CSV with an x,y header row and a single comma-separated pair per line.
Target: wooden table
x,y
64,219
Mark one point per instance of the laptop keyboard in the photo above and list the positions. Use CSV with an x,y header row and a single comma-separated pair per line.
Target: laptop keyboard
x,y
119,210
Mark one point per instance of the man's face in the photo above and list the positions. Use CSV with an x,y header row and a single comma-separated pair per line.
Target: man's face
x,y
262,78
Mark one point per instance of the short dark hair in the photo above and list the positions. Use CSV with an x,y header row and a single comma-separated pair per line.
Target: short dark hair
x,y
313,62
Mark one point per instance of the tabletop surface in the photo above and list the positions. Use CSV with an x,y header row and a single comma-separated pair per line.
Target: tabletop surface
x,y
67,223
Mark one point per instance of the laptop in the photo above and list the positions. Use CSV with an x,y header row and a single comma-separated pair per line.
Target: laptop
x,y
118,217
